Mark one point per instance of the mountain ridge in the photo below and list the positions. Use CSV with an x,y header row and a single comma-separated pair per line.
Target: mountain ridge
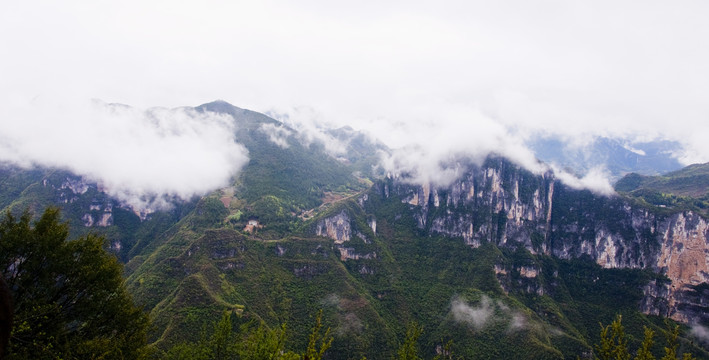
x,y
542,262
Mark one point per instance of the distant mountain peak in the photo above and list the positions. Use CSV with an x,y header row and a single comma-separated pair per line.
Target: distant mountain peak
x,y
220,106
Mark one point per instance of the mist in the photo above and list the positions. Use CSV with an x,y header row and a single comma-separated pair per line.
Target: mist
x,y
435,82
475,316
700,332
141,157
489,311
310,127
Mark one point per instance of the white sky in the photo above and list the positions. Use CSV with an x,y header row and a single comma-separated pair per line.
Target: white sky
x,y
404,70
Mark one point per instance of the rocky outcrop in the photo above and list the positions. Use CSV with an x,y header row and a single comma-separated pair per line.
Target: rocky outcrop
x,y
339,229
350,253
104,219
335,227
77,185
501,203
520,278
497,202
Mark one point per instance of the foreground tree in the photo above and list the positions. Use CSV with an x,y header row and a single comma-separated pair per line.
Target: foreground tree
x,y
409,349
614,345
69,297
251,343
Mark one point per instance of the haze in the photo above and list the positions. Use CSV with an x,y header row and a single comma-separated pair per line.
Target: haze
x,y
445,78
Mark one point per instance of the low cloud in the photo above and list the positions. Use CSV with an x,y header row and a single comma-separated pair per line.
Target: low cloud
x,y
277,134
144,158
489,311
474,316
596,180
437,143
701,333
310,128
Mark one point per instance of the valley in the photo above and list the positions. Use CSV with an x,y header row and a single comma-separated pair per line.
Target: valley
x,y
502,261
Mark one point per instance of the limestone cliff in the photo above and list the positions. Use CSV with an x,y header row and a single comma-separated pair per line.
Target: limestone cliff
x,y
501,203
336,227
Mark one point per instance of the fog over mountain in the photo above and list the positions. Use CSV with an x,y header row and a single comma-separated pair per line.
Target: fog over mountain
x,y
141,157
434,82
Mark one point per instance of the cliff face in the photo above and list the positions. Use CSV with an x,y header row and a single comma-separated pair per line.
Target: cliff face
x,y
499,202
336,227
339,229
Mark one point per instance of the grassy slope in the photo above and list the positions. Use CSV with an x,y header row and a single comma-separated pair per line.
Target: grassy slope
x,y
368,302
685,189
189,268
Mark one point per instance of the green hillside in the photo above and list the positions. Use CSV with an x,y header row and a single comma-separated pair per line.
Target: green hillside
x,y
277,186
687,188
437,282
252,249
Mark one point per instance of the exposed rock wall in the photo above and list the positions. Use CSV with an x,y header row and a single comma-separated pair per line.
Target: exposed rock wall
x,y
499,202
335,227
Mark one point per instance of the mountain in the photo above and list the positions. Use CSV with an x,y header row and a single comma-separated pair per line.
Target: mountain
x,y
503,262
617,156
685,189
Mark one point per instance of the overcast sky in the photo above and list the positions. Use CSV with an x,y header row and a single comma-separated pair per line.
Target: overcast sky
x,y
403,70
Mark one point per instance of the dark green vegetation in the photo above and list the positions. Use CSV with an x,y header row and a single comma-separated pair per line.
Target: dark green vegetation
x,y
192,264
250,342
447,287
686,189
79,200
69,299
613,344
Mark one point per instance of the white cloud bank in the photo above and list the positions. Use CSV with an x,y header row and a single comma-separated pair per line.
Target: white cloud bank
x,y
141,157
407,71
430,147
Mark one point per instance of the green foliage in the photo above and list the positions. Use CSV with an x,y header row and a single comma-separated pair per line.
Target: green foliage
x,y
210,212
69,298
685,189
645,352
266,344
260,343
614,345
409,349
318,343
671,350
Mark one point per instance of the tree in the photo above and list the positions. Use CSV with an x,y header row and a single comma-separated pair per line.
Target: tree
x,y
409,349
265,344
69,296
672,344
644,353
312,352
614,346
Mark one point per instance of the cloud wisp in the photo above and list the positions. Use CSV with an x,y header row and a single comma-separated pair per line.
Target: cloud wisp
x,y
701,333
310,128
475,316
488,312
277,134
141,157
